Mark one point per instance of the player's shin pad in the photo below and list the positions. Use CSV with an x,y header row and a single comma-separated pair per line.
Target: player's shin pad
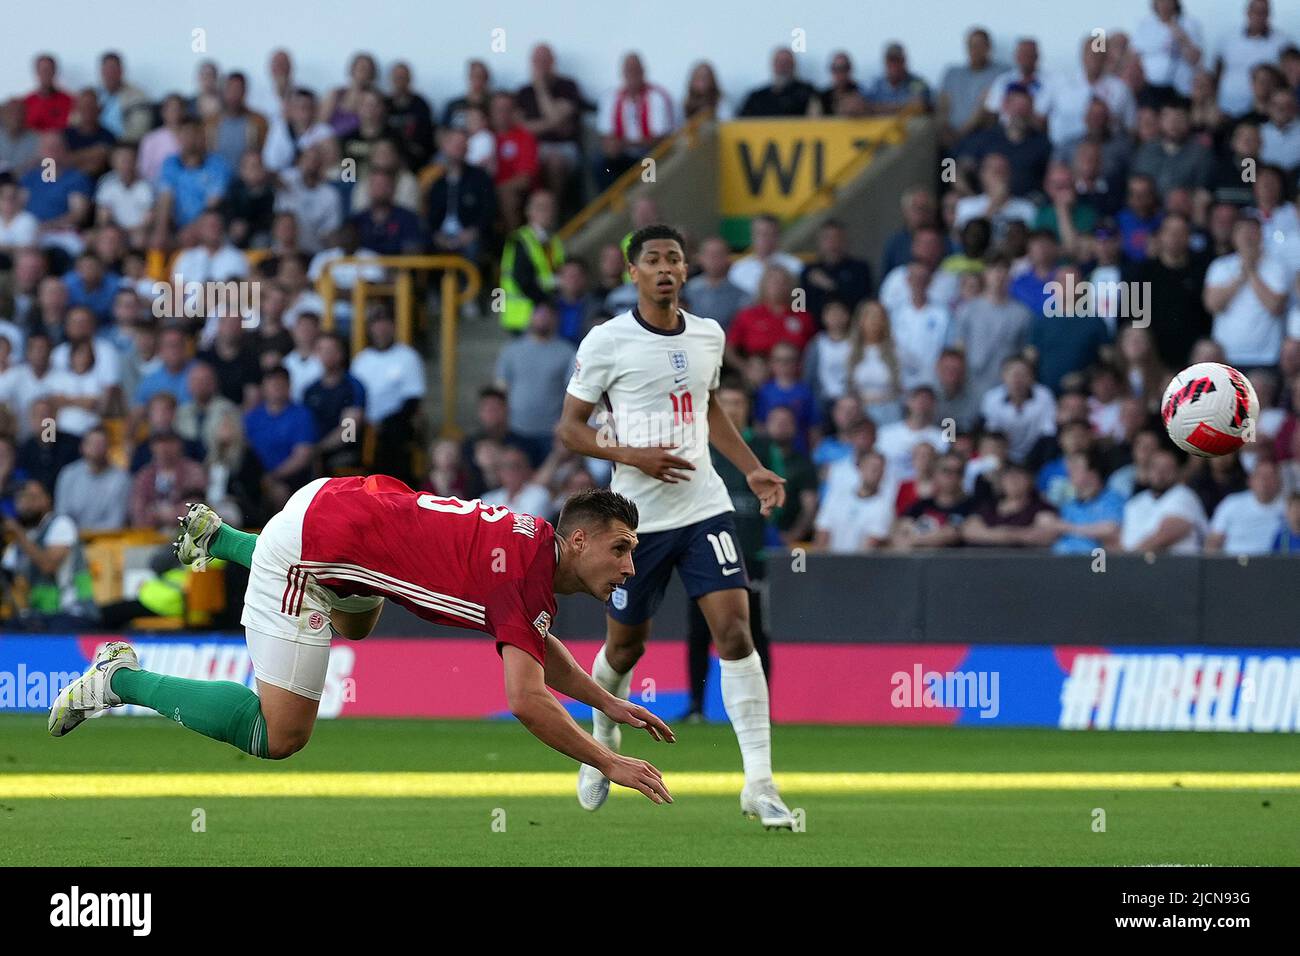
x,y
744,695
222,710
602,728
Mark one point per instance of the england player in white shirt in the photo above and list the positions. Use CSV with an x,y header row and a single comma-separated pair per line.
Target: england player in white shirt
x,y
652,371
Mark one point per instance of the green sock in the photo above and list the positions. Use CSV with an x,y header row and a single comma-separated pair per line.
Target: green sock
x,y
231,544
222,710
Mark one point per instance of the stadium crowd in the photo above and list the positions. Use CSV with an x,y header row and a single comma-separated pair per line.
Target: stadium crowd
x,y
960,392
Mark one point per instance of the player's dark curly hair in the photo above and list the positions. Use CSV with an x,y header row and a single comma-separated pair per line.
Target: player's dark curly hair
x,y
595,510
658,230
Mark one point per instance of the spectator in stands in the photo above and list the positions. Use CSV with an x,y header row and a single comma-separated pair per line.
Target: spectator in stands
x,y
533,371
896,90
858,518
61,203
29,380
704,95
78,391
385,227
1246,293
843,89
249,206
765,250
1247,522
125,198
1176,279
632,121
1025,74
161,144
529,263
190,182
342,107
1053,480
897,439
1241,52
576,308
520,491
1017,137
47,448
996,203
409,118
477,94
826,359
517,164
206,101
162,489
963,89
1090,517
393,376
935,521
90,491
1017,519
1176,160
18,227
294,132
1065,343
91,287
781,449
1019,408
919,327
200,418
956,402
493,418
18,144
88,143
43,552
1065,97
272,98
283,435
158,415
874,365
1288,536
1140,217
991,328
552,107
1280,136
772,319
234,361
358,145
834,273
786,389
46,108
314,203
1167,517
786,95
1170,46
302,362
919,210
836,445
337,401
461,202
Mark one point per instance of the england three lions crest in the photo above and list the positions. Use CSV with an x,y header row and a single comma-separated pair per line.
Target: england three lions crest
x,y
677,358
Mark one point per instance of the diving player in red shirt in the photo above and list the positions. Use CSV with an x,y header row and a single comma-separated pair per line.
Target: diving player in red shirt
x,y
328,561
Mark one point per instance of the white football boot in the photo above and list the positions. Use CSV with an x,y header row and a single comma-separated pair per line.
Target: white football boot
x,y
593,786
761,802
198,528
92,692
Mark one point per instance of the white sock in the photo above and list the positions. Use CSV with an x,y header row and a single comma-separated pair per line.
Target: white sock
x,y
603,729
744,694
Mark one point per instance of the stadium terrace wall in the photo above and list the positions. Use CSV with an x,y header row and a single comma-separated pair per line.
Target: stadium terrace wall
x,y
978,640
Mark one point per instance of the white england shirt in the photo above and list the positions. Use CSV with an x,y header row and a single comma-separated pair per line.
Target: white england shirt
x,y
653,389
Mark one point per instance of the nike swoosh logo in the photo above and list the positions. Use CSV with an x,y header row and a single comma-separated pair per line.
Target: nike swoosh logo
x,y
726,571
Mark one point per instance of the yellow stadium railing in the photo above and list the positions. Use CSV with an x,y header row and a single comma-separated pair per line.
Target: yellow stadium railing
x,y
402,290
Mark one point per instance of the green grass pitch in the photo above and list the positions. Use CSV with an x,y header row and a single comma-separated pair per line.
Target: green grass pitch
x,y
1172,825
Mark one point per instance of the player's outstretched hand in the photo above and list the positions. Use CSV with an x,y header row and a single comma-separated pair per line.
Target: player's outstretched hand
x,y
634,715
768,487
662,464
639,775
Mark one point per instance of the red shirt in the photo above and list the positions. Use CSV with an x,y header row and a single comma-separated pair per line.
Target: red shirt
x,y
756,329
516,155
452,562
46,111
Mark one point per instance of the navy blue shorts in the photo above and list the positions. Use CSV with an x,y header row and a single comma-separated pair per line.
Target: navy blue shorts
x,y
705,554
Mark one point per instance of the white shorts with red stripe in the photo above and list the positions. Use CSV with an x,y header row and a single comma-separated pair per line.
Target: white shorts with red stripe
x,y
286,615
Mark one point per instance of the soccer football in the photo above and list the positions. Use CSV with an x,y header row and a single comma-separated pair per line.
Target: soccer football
x,y
1209,409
